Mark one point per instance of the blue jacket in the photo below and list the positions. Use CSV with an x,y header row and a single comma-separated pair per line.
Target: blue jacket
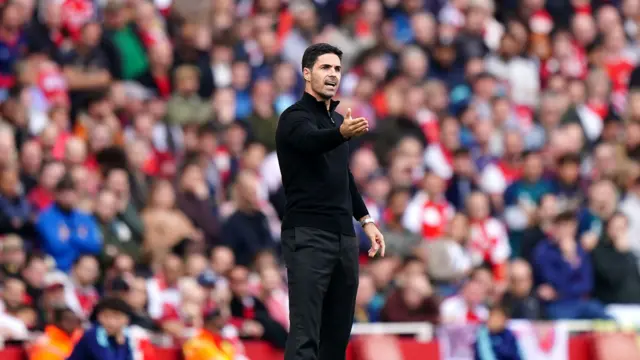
x,y
96,345
569,282
496,346
67,235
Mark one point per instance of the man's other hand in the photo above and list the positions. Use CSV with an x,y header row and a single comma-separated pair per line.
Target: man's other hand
x,y
377,240
353,127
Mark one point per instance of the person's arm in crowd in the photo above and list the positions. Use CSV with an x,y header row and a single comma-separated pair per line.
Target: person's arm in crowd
x,y
91,242
582,284
51,234
358,205
133,220
551,269
297,129
515,213
83,80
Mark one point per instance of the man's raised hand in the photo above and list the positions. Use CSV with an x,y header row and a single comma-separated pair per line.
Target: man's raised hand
x,y
353,127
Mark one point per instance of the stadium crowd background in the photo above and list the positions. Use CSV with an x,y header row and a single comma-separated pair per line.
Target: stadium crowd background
x,y
137,138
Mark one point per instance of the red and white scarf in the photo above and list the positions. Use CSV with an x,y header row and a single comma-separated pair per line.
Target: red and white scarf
x,y
435,218
489,243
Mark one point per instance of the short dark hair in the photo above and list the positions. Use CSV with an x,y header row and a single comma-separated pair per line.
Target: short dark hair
x,y
206,129
569,159
79,259
461,152
395,191
501,307
313,52
59,312
113,304
530,153
65,183
565,217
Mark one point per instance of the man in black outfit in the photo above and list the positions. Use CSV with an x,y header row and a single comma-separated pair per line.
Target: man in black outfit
x,y
318,239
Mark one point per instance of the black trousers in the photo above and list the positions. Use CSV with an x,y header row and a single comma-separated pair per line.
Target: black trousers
x,y
322,270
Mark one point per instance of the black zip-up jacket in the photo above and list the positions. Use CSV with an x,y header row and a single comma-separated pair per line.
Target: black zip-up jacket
x,y
314,162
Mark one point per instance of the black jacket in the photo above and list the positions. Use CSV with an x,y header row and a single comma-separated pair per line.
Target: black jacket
x,y
314,162
617,280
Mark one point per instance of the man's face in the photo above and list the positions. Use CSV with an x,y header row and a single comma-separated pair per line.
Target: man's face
x,y
238,280
533,168
497,320
108,208
565,229
463,165
603,199
69,322
475,292
325,75
87,271
113,321
14,255
91,35
569,172
118,182
13,294
67,198
54,296
34,274
222,260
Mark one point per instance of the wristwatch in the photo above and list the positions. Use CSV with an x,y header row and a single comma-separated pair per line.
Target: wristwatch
x,y
366,221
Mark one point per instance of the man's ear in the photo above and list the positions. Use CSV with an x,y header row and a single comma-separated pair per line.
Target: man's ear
x,y
306,73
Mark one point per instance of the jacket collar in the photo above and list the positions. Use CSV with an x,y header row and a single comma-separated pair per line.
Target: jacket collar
x,y
308,99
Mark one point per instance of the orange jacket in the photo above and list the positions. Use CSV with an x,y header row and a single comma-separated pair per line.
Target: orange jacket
x,y
55,344
208,346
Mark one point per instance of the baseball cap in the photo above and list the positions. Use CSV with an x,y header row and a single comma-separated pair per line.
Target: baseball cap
x,y
120,284
207,279
211,313
54,280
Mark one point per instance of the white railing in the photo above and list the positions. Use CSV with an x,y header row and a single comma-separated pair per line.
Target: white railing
x,y
423,331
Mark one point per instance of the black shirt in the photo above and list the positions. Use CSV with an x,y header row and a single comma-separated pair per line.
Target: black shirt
x,y
314,162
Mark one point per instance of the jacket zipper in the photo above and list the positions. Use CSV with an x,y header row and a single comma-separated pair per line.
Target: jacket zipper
x,y
331,118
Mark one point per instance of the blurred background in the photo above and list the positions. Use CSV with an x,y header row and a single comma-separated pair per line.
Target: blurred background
x,y
503,167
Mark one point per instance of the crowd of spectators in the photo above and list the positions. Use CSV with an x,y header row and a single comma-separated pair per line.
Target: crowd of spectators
x,y
137,157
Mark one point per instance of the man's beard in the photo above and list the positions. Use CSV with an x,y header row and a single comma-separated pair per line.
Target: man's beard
x,y
319,87
322,94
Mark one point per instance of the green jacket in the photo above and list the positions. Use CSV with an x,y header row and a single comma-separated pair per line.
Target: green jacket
x,y
185,110
264,130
